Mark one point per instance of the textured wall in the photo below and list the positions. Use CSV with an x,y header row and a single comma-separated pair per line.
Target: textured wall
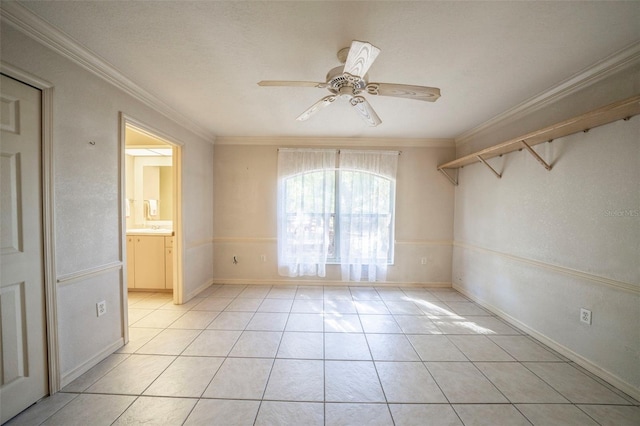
x,y
536,246
245,216
87,199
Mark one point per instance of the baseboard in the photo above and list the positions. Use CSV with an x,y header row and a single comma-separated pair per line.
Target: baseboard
x,y
198,290
304,281
70,376
583,362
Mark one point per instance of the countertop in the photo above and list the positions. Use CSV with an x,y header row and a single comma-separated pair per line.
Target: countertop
x,y
149,231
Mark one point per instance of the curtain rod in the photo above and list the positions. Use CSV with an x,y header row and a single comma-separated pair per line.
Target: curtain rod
x,y
338,150
309,149
377,151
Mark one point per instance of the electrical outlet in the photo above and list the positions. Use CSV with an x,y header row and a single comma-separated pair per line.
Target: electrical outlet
x,y
263,257
423,261
101,308
585,316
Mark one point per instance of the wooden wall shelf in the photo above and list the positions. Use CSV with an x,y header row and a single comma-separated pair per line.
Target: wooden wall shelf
x,y
624,109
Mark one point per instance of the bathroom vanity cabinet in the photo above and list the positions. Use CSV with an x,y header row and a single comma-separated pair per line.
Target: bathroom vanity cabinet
x,y
149,261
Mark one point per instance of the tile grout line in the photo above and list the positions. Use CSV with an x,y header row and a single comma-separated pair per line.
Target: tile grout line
x,y
266,385
238,292
182,352
324,355
176,356
429,372
433,378
373,361
324,361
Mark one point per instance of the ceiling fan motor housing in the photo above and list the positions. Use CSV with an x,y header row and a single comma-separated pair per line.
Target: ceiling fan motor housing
x,y
337,79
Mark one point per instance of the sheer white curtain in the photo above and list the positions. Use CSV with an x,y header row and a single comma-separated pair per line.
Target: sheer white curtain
x,y
306,199
366,210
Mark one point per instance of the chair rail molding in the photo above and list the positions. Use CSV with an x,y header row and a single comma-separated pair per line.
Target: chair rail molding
x,y
89,272
620,285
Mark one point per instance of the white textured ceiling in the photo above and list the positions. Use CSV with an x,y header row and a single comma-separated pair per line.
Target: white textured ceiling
x,y
204,58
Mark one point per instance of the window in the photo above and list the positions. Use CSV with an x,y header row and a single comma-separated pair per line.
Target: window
x,y
336,208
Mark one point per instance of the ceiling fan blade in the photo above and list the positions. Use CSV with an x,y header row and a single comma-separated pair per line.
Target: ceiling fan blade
x,y
292,83
316,107
419,93
365,110
361,56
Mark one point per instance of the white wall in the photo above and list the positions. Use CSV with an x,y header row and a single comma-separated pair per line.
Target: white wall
x,y
537,245
534,246
197,217
88,249
245,214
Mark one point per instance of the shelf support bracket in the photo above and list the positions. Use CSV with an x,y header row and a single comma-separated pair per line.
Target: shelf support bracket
x,y
452,180
535,155
498,175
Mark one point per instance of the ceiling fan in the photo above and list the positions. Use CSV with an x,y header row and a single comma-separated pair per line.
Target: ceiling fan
x,y
351,80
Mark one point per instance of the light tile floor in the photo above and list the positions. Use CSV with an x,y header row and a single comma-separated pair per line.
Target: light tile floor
x,y
312,355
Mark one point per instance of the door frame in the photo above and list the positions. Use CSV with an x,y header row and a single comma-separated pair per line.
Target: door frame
x,y
48,219
178,292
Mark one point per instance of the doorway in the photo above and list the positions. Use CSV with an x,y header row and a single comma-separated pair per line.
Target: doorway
x,y
151,219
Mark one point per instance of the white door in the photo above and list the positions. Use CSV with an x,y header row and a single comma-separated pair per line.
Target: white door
x,y
23,350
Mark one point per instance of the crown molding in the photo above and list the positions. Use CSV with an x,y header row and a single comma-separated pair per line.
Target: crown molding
x,y
622,59
25,21
334,141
